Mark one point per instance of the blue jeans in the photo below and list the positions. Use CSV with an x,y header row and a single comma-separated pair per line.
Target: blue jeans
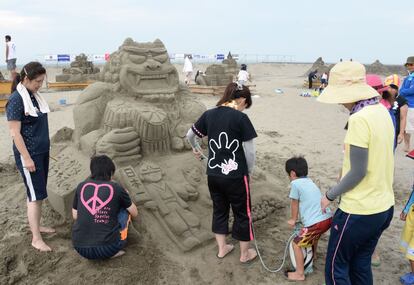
x,y
109,250
351,244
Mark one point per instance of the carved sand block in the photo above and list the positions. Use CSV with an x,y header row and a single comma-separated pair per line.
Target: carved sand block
x,y
152,126
80,70
121,145
64,176
220,74
119,114
167,207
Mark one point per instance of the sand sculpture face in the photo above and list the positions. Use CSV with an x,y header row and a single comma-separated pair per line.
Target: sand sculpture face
x,y
146,69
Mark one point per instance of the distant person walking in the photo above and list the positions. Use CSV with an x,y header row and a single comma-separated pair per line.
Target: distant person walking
x,y
311,77
407,91
11,56
188,69
243,75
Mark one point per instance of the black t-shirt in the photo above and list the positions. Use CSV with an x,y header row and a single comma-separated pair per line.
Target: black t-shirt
x,y
34,130
399,102
226,129
98,204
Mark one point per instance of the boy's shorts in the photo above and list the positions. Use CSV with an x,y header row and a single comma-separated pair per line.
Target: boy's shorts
x,y
407,237
11,64
309,235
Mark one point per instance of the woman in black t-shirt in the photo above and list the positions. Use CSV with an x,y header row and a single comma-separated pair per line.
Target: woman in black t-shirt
x,y
231,158
101,211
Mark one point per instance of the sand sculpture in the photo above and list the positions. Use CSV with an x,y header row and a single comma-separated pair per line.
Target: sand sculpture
x,y
80,70
219,74
319,65
377,68
137,114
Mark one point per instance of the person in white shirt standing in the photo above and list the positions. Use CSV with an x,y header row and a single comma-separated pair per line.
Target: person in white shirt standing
x,y
243,75
188,69
11,56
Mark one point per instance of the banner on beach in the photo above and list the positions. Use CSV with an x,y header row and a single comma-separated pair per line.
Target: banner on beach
x,y
63,57
219,56
51,57
98,57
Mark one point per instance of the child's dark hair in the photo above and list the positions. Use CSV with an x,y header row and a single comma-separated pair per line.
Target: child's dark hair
x,y
297,164
8,37
234,91
243,67
31,70
102,168
386,95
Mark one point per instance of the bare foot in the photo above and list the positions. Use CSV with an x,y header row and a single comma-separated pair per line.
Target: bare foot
x,y
47,230
41,246
296,276
118,254
252,254
227,249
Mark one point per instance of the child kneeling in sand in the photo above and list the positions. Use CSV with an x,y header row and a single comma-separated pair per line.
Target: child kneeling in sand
x,y
407,238
305,200
102,210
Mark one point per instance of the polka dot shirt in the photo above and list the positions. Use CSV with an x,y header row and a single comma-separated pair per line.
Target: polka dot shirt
x,y
34,130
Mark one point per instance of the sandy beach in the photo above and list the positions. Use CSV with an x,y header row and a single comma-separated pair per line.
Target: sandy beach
x,y
287,125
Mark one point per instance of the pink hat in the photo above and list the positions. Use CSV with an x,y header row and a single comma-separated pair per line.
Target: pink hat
x,y
375,82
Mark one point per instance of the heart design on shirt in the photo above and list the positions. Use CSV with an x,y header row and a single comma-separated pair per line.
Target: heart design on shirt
x,y
95,203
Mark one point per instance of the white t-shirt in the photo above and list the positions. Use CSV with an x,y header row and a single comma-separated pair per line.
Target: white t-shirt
x,y
324,76
12,50
188,66
243,75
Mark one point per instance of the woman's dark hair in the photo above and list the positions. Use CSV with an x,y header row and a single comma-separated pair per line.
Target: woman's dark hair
x,y
31,70
297,164
102,168
235,91
243,67
8,38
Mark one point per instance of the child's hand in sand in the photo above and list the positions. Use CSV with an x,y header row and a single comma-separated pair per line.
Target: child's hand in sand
x,y
403,216
291,223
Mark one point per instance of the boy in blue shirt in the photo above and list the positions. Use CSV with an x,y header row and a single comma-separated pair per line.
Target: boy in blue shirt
x,y
305,201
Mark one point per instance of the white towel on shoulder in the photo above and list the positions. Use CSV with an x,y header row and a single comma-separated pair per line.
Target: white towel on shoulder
x,y
29,108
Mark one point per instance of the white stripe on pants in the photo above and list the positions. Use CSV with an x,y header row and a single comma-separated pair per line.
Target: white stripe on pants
x,y
29,182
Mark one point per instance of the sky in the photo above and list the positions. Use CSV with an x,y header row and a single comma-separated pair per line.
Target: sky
x,y
362,30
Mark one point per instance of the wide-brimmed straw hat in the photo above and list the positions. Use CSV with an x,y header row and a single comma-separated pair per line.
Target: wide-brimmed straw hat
x,y
347,84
